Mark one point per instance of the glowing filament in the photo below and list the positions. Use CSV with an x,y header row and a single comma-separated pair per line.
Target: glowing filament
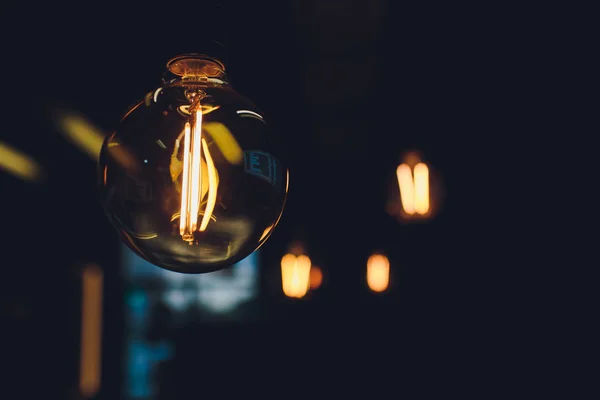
x,y
195,154
184,220
295,275
378,272
212,188
191,186
196,164
414,191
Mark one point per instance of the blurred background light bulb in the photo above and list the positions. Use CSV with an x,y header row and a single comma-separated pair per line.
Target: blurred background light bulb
x,y
192,177
416,191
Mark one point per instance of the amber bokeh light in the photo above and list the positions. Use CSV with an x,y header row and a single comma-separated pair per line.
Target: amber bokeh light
x,y
378,272
295,275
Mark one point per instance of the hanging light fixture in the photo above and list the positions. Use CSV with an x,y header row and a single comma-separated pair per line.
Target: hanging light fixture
x,y
378,272
415,191
193,177
298,274
295,275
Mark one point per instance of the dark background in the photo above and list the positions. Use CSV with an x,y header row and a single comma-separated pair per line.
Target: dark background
x,y
351,86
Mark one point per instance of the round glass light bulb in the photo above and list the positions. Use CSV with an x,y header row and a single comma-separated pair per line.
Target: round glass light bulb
x,y
192,178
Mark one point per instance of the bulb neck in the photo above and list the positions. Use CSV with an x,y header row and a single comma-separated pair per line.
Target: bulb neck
x,y
195,69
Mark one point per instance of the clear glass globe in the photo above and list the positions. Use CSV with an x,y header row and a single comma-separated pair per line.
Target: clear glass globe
x,y
193,177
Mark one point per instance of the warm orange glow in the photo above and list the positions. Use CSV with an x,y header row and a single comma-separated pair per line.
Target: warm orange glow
x,y
316,277
184,219
212,188
378,272
295,275
406,185
195,155
267,230
196,173
91,331
421,173
414,191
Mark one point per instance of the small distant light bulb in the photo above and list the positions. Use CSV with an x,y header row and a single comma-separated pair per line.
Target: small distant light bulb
x,y
417,191
378,272
295,275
